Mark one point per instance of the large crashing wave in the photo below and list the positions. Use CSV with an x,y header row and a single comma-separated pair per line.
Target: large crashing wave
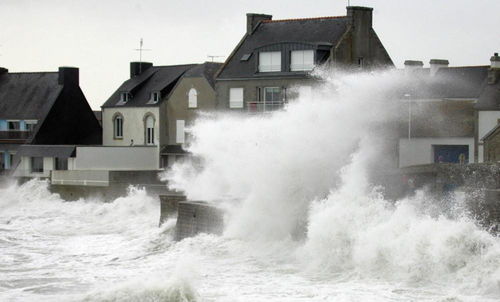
x,y
310,164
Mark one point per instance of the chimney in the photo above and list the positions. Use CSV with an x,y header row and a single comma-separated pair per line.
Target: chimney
x,y
494,72
254,19
411,66
68,76
136,68
360,19
436,64
3,70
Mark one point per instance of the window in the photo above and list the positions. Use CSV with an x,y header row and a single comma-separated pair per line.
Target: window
x,y
13,125
61,163
9,161
155,97
273,98
192,98
2,161
235,97
150,130
360,62
270,61
37,165
30,125
118,126
302,60
180,135
125,97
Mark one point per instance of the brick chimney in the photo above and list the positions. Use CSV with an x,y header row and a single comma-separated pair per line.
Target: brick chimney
x,y
411,65
136,68
360,19
254,19
69,76
436,64
494,72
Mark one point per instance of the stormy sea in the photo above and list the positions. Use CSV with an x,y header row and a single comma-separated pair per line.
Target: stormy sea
x,y
304,219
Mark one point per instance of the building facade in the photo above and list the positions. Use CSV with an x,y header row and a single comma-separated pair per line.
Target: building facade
x,y
275,58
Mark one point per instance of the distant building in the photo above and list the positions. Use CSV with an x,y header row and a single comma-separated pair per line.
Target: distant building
x,y
275,56
144,122
440,113
39,112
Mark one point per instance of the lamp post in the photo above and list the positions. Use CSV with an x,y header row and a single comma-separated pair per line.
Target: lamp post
x,y
408,97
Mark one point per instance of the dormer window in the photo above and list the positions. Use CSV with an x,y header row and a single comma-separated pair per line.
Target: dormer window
x,y
155,97
270,61
302,60
125,97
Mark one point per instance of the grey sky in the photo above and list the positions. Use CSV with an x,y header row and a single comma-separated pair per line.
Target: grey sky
x,y
99,36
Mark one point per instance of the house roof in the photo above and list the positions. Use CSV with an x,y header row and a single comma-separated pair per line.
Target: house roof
x,y
158,79
207,70
490,97
323,30
448,83
28,95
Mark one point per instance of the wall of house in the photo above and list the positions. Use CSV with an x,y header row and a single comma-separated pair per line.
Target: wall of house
x,y
250,89
492,147
177,105
487,120
133,125
24,168
419,151
138,158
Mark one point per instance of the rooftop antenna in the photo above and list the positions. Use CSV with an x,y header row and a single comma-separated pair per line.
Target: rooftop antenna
x,y
213,57
140,50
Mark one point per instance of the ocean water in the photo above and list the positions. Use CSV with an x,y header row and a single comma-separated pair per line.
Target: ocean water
x,y
304,221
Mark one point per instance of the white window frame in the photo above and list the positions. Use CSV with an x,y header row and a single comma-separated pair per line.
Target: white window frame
x,y
298,60
236,97
192,98
270,61
155,97
30,122
180,137
117,133
14,121
125,97
150,131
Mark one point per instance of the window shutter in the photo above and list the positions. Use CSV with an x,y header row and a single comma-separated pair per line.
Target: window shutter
x,y
180,137
236,98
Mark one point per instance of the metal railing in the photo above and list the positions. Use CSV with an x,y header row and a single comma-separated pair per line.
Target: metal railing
x,y
256,107
15,135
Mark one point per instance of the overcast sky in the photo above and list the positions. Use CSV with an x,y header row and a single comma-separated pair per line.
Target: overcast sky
x,y
99,36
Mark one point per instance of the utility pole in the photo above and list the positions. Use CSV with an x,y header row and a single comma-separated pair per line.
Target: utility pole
x,y
140,50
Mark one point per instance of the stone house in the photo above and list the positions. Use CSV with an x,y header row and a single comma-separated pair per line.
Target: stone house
x,y
275,56
491,145
42,113
440,120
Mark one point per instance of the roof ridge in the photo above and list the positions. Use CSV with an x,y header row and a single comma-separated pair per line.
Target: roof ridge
x,y
26,72
177,65
468,66
303,19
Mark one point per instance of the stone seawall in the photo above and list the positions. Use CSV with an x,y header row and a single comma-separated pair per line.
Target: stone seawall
x,y
195,217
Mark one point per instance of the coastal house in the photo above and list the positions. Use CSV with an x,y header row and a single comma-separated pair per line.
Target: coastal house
x,y
43,115
446,111
275,58
144,122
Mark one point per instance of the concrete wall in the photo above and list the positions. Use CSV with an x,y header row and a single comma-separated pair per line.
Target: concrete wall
x,y
250,89
198,217
133,125
116,158
418,151
79,177
487,120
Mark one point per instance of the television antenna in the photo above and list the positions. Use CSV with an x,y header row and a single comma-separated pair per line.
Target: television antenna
x,y
140,50
213,57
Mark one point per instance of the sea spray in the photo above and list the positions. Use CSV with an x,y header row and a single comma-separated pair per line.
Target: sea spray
x,y
313,164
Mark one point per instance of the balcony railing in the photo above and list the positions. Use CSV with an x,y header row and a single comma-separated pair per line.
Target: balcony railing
x,y
15,135
256,107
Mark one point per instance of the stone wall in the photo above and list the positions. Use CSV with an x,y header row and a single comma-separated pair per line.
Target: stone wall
x,y
169,206
195,217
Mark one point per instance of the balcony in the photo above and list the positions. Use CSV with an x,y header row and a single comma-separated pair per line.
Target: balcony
x,y
14,136
259,107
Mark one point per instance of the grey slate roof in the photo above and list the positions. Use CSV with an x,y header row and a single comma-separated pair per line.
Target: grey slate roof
x,y
62,151
325,30
162,79
207,70
156,78
27,95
